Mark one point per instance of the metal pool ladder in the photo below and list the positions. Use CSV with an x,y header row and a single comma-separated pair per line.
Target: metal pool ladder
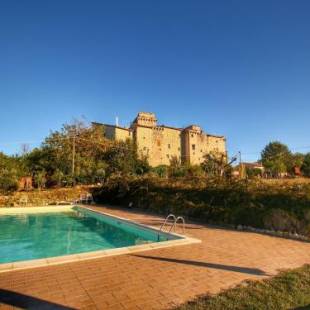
x,y
173,224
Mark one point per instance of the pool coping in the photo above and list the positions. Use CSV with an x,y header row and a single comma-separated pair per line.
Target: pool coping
x,y
56,260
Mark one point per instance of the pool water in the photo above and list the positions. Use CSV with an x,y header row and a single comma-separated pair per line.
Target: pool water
x,y
32,236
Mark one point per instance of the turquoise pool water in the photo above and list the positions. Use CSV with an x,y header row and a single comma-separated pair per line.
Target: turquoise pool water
x,y
42,235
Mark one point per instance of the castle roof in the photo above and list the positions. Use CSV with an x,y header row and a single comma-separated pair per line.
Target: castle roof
x,y
152,116
109,125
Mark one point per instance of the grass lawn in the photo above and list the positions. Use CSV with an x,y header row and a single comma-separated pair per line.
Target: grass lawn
x,y
288,290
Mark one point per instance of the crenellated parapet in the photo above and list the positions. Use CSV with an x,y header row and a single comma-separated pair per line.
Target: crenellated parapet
x,y
160,143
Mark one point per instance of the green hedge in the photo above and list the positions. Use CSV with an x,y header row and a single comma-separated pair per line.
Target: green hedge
x,y
256,204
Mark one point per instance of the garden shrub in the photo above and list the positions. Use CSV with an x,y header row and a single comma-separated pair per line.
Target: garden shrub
x,y
281,220
229,202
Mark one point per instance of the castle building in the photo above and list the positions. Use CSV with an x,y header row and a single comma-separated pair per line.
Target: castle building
x,y
160,143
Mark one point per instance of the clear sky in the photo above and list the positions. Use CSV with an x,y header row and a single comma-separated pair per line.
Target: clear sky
x,y
237,68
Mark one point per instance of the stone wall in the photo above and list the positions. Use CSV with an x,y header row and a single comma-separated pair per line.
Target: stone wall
x,y
117,133
159,144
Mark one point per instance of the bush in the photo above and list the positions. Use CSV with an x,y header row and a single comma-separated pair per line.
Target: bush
x,y
161,171
281,220
215,201
10,171
8,183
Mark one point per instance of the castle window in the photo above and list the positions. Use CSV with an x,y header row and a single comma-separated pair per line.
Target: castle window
x,y
167,155
193,147
144,148
169,146
192,135
158,143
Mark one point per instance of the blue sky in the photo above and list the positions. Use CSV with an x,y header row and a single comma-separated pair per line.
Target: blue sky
x,y
238,68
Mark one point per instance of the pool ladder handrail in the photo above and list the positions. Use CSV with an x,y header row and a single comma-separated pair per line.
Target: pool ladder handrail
x,y
175,221
166,221
183,223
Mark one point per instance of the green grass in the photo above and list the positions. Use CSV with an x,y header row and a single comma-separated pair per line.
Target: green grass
x,y
288,290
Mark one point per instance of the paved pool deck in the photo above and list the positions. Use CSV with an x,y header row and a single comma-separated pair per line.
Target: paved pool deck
x,y
153,279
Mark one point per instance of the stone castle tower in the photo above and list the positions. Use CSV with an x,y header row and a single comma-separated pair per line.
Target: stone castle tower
x,y
160,143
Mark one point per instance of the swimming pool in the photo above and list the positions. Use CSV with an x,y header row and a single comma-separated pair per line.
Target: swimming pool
x,y
47,233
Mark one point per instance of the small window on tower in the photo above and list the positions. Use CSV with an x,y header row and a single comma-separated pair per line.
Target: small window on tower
x,y
193,147
169,146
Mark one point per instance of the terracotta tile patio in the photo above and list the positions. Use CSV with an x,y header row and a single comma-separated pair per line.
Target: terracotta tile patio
x,y
155,279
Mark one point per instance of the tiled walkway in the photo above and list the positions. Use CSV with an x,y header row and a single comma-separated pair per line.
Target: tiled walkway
x,y
156,279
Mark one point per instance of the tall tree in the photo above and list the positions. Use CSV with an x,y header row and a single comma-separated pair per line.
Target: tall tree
x,y
296,160
122,158
72,154
305,168
11,170
276,158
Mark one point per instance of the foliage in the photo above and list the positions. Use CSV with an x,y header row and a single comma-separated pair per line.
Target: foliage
x,y
10,171
176,169
275,158
161,171
296,160
253,172
81,154
305,168
195,171
40,179
76,154
214,164
123,159
288,290
217,201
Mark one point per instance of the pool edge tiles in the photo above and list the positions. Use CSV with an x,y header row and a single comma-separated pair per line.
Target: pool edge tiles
x,y
56,260
35,210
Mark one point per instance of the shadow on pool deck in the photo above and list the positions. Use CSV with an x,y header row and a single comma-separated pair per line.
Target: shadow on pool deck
x,y
27,302
252,271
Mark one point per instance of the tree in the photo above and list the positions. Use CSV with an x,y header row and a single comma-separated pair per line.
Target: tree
x,y
122,158
214,164
295,161
73,154
253,172
276,158
11,169
40,179
305,168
